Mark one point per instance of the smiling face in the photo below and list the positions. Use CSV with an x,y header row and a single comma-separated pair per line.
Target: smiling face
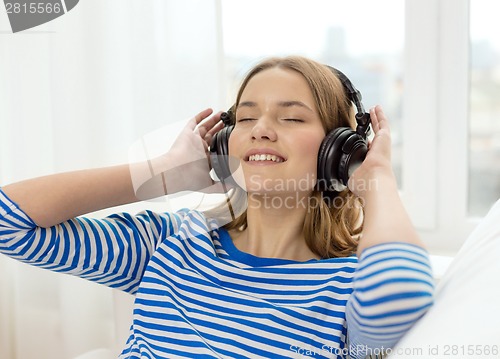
x,y
277,133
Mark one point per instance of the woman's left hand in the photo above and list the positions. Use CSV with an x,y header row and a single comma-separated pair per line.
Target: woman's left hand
x,y
377,164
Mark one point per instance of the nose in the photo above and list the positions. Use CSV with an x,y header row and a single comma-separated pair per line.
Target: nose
x,y
264,130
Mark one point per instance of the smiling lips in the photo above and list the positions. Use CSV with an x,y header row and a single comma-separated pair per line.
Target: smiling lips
x,y
265,157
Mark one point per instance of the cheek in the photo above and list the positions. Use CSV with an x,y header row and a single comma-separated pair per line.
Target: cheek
x,y
310,149
307,165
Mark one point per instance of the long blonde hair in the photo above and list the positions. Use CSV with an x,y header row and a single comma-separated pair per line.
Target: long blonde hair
x,y
332,226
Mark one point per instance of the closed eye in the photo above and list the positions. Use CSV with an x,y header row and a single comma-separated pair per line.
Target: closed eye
x,y
246,119
293,120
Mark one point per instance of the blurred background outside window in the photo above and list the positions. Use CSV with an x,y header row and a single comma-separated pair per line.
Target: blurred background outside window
x,y
484,107
333,36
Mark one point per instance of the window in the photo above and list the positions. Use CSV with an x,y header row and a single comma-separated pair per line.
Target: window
x,y
484,111
329,31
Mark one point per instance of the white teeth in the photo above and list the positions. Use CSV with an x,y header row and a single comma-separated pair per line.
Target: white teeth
x,y
265,158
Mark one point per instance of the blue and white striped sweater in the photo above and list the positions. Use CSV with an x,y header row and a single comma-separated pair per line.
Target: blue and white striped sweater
x,y
198,296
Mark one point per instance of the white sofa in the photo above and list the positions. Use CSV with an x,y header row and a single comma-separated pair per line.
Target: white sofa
x,y
465,319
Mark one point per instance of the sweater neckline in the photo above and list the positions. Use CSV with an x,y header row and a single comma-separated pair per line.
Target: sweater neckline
x,y
250,259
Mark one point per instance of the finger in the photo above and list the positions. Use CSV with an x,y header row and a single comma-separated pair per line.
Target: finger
x,y
207,125
212,121
374,120
218,126
383,123
210,134
198,118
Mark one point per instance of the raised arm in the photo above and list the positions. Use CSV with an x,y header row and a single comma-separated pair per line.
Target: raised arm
x,y
53,199
393,284
385,218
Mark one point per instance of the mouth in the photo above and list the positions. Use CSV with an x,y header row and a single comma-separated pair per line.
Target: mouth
x,y
265,157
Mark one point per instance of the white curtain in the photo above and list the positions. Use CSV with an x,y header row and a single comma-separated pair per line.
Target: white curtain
x,y
76,93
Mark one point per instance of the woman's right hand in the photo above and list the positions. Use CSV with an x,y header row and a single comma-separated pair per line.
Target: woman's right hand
x,y
186,166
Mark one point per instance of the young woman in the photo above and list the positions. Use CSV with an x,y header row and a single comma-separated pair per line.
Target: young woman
x,y
295,275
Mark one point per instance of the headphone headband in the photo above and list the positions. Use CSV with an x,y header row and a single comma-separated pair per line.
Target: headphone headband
x,y
353,94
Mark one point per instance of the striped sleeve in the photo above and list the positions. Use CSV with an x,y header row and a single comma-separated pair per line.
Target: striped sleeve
x,y
393,288
113,251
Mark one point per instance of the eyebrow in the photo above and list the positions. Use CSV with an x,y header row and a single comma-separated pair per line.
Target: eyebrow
x,y
280,103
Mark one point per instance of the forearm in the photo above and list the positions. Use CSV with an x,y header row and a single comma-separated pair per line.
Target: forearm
x,y
55,198
393,288
385,218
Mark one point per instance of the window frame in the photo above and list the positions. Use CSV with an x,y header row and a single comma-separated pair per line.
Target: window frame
x,y
435,129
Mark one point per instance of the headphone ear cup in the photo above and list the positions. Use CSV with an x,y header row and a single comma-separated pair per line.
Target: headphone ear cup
x,y
354,152
329,158
340,153
219,152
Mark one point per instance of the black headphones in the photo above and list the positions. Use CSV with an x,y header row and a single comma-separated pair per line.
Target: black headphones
x,y
341,152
